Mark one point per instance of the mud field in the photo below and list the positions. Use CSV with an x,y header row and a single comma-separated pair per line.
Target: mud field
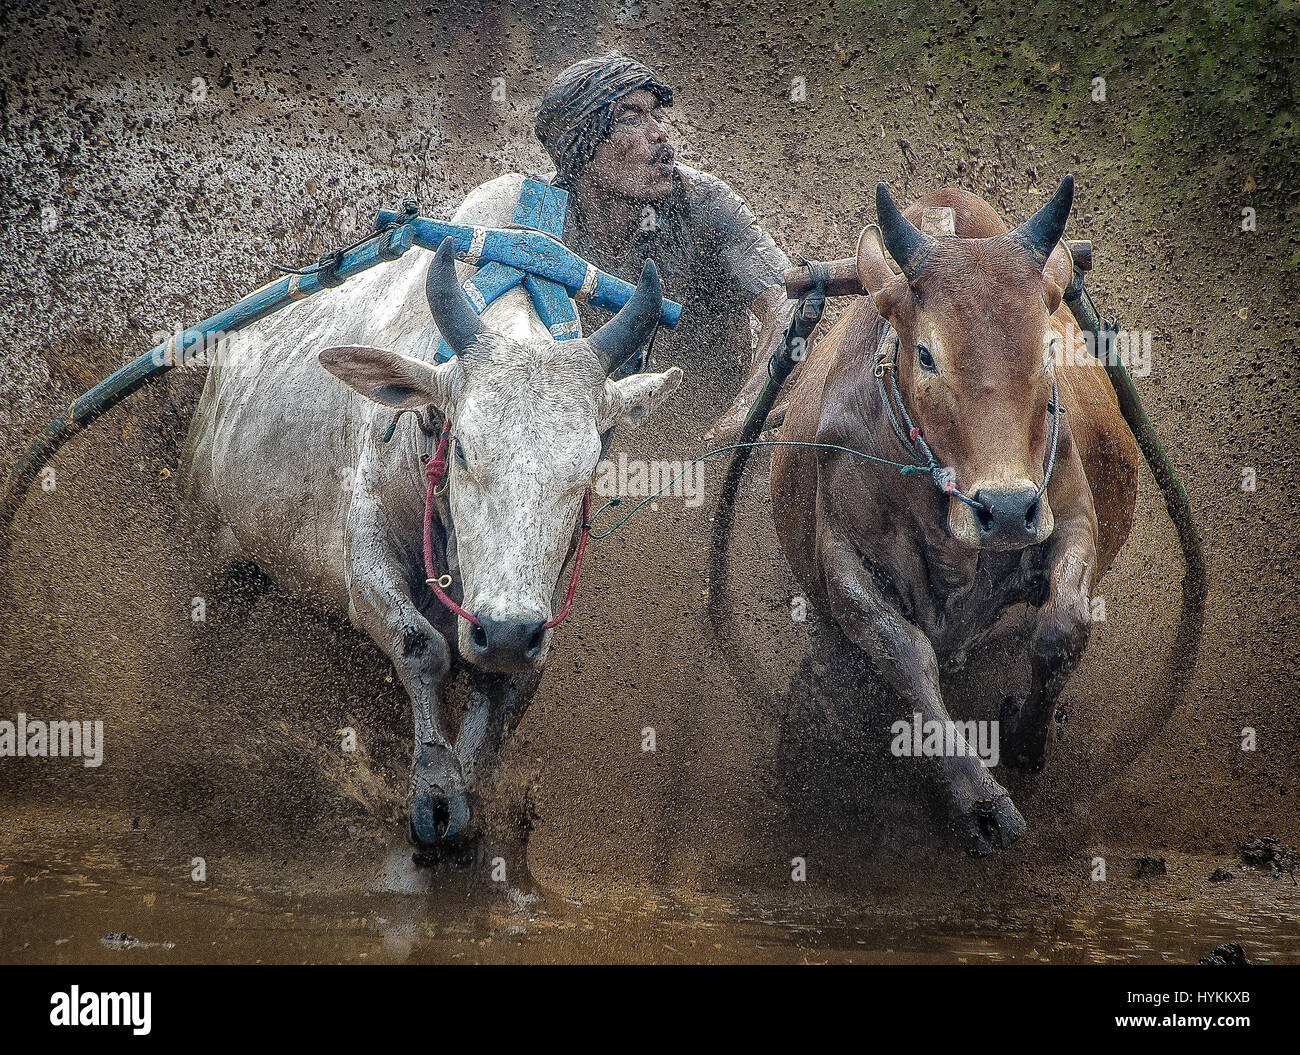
x,y
155,161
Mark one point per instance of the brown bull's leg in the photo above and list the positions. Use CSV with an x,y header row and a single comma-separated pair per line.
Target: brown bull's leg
x,y
981,808
1059,637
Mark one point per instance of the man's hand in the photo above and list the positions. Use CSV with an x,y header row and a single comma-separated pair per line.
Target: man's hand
x,y
773,312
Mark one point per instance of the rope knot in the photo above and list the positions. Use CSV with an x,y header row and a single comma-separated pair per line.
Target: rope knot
x,y
436,467
945,479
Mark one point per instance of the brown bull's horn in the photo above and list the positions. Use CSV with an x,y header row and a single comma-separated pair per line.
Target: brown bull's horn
x,y
623,335
1040,233
458,323
908,246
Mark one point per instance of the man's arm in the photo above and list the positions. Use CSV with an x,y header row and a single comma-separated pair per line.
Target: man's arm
x,y
773,312
754,264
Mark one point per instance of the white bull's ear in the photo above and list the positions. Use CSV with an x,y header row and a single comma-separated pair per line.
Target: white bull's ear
x,y
630,400
390,378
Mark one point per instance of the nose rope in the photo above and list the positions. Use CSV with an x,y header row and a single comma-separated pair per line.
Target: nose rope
x,y
945,480
924,460
577,562
435,471
1057,410
903,468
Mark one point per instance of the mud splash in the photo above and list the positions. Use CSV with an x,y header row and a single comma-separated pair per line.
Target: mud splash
x,y
222,737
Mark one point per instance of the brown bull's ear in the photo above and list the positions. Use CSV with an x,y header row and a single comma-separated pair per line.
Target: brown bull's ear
x,y
390,378
874,271
1057,273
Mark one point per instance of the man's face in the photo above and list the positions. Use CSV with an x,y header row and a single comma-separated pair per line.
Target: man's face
x,y
635,160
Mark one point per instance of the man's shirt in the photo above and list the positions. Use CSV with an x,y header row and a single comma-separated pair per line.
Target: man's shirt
x,y
712,257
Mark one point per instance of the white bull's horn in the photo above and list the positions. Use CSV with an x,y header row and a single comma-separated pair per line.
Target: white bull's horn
x,y
456,320
623,335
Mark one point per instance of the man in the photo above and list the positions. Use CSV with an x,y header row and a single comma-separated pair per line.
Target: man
x,y
600,121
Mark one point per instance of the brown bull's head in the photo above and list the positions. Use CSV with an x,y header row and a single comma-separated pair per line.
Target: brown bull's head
x,y
972,319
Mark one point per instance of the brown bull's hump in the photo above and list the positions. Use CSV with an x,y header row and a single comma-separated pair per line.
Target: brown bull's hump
x,y
973,217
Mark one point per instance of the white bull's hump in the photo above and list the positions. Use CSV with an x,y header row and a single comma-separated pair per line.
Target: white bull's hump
x,y
492,204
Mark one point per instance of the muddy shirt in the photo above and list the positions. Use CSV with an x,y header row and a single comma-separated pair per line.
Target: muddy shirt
x,y
713,259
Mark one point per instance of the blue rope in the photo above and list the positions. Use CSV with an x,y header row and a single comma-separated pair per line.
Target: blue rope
x,y
903,468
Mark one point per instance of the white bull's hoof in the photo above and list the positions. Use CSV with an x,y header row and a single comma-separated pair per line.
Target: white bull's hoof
x,y
992,824
434,819
438,807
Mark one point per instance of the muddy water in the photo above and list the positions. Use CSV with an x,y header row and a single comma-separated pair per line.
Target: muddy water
x,y
65,912
91,903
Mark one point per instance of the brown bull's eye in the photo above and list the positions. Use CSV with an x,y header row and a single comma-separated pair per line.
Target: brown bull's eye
x,y
925,358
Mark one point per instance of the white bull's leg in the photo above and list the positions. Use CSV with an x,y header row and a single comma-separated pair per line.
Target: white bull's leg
x,y
496,704
383,606
981,808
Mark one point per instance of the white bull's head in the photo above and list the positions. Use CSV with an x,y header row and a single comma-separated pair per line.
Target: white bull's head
x,y
527,418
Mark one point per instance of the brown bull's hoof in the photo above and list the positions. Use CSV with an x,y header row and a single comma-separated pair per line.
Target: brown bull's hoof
x,y
992,824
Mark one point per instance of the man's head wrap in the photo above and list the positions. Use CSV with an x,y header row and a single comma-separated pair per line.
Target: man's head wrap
x,y
577,111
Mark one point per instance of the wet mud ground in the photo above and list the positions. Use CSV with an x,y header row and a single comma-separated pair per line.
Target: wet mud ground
x,y
131,205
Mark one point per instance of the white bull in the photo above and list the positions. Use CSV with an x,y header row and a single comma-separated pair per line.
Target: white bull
x,y
291,471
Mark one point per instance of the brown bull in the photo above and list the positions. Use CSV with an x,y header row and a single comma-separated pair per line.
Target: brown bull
x,y
915,576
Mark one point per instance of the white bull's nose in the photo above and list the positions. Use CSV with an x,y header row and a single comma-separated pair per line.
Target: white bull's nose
x,y
507,642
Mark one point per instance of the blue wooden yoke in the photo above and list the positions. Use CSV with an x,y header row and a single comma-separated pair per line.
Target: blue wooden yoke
x,y
543,208
536,257
533,252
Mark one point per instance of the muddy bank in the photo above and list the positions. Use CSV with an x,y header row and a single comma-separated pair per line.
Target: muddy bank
x,y
136,200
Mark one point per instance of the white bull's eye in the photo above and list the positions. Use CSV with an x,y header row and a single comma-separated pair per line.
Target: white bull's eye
x,y
459,453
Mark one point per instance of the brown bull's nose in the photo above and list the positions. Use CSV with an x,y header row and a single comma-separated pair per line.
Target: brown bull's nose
x,y
506,641
1010,515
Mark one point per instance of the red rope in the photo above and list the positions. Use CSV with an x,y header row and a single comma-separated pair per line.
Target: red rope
x,y
435,471
577,560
